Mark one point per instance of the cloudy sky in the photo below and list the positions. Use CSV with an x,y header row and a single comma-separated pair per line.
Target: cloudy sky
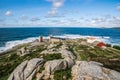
x,y
59,13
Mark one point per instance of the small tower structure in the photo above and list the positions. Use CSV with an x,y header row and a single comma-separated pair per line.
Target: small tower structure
x,y
40,39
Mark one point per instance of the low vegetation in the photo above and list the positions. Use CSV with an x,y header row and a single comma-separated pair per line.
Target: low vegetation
x,y
52,56
108,45
109,57
11,60
116,47
63,75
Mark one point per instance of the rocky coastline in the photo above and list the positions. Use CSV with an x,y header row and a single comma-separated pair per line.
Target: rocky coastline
x,y
61,59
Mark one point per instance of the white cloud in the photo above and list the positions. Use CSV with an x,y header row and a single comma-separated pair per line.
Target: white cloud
x,y
99,20
96,21
8,13
53,12
23,17
93,21
117,18
35,19
55,5
118,7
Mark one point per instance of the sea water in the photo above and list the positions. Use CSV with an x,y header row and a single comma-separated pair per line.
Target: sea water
x,y
9,37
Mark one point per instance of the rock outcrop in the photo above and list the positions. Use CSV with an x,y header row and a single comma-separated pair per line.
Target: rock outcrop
x,y
66,54
41,70
55,65
23,51
70,62
51,46
26,70
50,51
52,66
18,74
84,70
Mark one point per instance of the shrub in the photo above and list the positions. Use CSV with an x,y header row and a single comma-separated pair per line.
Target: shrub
x,y
116,47
7,68
41,69
108,45
59,75
52,56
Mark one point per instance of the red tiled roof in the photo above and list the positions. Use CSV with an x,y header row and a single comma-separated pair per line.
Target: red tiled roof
x,y
101,44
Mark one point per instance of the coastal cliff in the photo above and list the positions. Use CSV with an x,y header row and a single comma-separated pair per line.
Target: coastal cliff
x,y
71,59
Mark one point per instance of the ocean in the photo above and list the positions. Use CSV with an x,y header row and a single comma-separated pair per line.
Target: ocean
x,y
10,37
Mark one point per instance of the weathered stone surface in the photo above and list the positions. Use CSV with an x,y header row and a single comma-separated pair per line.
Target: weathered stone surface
x,y
84,70
32,64
70,62
64,47
23,51
52,66
50,51
51,46
63,50
17,74
26,70
40,76
32,75
67,54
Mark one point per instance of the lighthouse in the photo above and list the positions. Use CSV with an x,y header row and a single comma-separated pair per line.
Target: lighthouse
x,y
40,39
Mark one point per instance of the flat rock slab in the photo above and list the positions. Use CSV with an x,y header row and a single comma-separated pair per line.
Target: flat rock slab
x,y
26,70
84,70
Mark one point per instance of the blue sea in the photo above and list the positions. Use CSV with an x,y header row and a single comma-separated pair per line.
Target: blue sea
x,y
10,37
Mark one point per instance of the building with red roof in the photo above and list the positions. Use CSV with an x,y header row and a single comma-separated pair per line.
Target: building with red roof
x,y
101,44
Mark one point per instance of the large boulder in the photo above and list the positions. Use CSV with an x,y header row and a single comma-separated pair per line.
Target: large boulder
x,y
26,70
66,54
51,46
50,51
52,66
64,47
70,62
84,70
23,51
18,74
31,66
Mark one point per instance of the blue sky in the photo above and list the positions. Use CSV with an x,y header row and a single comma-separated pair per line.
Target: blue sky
x,y
60,13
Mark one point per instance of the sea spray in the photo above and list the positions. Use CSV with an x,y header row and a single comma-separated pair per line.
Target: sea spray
x,y
11,44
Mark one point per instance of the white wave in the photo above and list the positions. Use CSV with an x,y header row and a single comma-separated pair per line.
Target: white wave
x,y
10,44
106,37
71,36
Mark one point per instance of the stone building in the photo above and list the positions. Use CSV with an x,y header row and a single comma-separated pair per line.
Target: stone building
x,y
56,39
40,39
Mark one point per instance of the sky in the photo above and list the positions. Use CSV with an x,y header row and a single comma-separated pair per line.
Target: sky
x,y
60,13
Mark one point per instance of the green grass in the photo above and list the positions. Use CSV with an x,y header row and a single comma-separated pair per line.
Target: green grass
x,y
4,77
100,55
52,56
41,69
59,75
116,47
11,60
71,49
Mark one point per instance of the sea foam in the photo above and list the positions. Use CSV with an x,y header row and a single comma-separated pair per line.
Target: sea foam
x,y
11,44
71,36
